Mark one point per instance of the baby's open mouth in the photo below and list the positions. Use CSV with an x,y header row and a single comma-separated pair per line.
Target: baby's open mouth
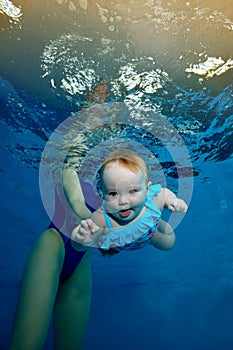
x,y
125,213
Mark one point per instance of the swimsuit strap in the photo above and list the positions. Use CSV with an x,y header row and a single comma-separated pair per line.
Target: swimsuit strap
x,y
107,219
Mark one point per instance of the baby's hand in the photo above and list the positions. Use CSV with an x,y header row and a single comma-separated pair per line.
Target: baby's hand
x,y
86,233
176,204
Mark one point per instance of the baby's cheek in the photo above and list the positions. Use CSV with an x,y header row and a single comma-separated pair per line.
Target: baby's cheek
x,y
110,206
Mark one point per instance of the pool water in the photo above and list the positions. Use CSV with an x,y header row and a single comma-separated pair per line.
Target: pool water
x,y
169,64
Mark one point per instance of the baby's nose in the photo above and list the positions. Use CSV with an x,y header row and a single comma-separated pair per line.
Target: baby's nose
x,y
123,199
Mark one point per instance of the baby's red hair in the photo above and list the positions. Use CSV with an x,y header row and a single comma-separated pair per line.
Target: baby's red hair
x,y
127,159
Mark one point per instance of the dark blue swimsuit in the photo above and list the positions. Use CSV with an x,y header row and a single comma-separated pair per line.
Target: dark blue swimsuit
x,y
72,256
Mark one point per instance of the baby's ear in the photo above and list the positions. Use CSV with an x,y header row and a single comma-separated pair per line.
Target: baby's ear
x,y
99,189
101,193
149,184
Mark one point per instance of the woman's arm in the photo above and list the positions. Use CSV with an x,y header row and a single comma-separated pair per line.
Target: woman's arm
x,y
74,194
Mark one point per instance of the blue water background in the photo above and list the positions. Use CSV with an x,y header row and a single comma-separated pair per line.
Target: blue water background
x,y
182,299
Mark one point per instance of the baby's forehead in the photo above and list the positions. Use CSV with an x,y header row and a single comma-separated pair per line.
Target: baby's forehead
x,y
116,164
116,171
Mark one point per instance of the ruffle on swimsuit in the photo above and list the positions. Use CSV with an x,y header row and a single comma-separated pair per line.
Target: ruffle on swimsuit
x,y
136,234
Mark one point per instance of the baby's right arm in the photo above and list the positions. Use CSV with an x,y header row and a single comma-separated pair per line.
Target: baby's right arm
x,y
88,231
85,233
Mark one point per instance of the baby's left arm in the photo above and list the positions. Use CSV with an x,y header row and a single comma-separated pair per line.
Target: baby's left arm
x,y
172,202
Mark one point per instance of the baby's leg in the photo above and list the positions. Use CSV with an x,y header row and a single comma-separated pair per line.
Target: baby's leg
x,y
164,238
72,307
38,292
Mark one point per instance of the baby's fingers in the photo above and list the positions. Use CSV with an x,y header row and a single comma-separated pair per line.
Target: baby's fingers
x,y
82,233
78,234
178,205
170,207
89,226
184,208
86,232
181,206
93,227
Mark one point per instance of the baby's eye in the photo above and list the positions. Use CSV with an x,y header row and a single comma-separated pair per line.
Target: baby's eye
x,y
134,190
112,194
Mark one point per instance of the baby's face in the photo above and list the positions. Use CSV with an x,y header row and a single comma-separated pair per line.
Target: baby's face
x,y
124,192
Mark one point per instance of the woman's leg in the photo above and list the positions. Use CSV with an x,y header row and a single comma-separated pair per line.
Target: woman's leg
x,y
72,307
164,238
38,292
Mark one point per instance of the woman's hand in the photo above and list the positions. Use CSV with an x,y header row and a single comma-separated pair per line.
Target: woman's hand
x,y
86,233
